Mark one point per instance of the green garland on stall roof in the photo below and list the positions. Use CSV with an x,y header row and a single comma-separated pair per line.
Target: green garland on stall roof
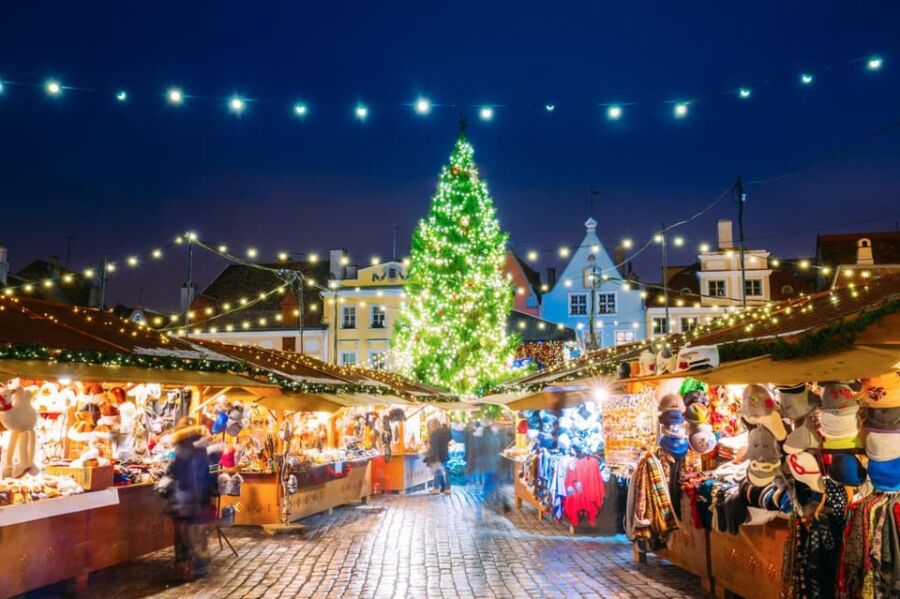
x,y
828,339
108,358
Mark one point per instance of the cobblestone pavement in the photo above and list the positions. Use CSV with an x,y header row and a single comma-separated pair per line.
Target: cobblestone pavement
x,y
413,546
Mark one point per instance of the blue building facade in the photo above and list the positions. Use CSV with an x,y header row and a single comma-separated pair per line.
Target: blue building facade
x,y
619,312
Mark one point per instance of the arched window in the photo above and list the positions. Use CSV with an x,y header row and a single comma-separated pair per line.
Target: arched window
x,y
787,290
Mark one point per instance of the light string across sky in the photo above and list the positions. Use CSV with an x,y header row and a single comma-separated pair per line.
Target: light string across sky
x,y
238,104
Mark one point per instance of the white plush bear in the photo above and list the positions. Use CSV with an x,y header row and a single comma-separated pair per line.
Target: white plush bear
x,y
20,440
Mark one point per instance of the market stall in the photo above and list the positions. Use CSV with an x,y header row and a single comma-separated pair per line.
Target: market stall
x,y
85,401
774,468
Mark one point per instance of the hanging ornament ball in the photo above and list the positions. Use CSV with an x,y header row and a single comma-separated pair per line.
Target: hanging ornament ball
x,y
454,169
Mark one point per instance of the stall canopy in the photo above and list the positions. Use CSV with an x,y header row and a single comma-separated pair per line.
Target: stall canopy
x,y
854,330
40,339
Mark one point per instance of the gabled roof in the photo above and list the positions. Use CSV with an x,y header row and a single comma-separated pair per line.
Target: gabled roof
x,y
239,280
589,246
532,276
76,293
837,249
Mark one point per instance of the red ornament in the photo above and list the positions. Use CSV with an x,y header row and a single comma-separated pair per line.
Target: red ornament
x,y
454,169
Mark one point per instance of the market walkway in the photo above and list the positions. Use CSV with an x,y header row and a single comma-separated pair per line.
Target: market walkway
x,y
414,546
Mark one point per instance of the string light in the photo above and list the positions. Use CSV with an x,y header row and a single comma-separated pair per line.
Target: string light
x,y
423,106
678,241
236,105
251,252
563,252
374,260
549,107
157,254
681,110
121,95
486,113
704,248
300,109
627,243
53,87
361,112
806,78
532,256
744,92
874,63
175,96
614,112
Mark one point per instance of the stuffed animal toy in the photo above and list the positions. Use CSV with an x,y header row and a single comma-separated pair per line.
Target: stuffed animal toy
x,y
237,419
19,447
83,423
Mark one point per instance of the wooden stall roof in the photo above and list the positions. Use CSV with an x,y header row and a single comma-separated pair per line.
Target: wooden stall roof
x,y
784,320
303,402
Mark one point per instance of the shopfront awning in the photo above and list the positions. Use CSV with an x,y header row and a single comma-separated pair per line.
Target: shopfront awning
x,y
557,396
367,400
303,402
41,370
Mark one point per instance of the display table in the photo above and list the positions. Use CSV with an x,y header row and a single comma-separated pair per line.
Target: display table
x,y
749,564
69,537
402,474
261,495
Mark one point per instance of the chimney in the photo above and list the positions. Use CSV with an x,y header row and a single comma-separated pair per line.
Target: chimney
x,y
337,263
551,278
864,256
726,237
4,266
618,255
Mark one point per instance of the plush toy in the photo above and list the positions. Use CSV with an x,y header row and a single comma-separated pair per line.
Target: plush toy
x,y
237,419
83,423
19,446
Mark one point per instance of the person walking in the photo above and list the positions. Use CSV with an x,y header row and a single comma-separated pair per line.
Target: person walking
x,y
490,462
189,496
438,455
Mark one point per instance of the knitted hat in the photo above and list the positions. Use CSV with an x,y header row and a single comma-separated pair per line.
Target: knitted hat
x,y
674,430
696,396
805,468
647,362
838,425
885,475
223,481
674,445
839,398
797,401
671,402
883,446
882,392
761,446
846,469
669,418
882,419
702,439
666,361
759,474
702,356
803,437
759,407
234,485
696,413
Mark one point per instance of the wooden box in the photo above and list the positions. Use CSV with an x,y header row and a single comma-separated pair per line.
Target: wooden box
x,y
94,478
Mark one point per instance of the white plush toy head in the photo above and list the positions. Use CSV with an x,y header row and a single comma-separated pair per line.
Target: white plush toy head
x,y
21,416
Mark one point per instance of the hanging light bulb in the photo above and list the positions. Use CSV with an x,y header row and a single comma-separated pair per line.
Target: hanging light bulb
x,y
300,109
486,113
627,243
614,112
874,63
121,96
175,96
549,107
681,110
744,92
361,112
53,87
806,78
704,247
236,105
422,106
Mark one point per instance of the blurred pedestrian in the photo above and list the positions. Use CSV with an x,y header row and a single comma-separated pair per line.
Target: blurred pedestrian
x,y
438,455
189,493
490,461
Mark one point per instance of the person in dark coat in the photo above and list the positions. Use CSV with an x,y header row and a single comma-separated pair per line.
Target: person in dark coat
x,y
189,498
438,455
492,443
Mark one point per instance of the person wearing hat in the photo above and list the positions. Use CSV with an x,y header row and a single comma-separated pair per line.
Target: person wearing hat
x,y
189,497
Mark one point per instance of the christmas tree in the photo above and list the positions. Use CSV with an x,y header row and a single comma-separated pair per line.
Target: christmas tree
x,y
451,330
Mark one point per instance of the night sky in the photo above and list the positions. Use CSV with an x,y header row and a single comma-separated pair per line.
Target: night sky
x,y
125,178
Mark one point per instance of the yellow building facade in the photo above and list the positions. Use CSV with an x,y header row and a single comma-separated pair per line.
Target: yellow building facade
x,y
360,311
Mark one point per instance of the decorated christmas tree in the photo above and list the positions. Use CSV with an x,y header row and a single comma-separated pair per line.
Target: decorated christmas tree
x,y
451,330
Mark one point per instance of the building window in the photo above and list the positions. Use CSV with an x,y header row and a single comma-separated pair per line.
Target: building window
x,y
378,360
578,304
689,324
606,303
626,336
715,288
348,317
660,325
753,288
348,357
392,273
377,319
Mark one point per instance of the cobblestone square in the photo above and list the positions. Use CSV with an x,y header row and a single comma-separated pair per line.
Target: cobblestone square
x,y
414,546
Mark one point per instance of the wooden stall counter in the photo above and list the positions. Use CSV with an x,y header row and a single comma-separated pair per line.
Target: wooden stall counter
x,y
402,474
261,493
749,564
688,548
53,540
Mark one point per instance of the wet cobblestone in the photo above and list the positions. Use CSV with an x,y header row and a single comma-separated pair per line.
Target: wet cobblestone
x,y
413,546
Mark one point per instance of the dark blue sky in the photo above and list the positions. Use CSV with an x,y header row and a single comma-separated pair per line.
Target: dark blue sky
x,y
128,177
